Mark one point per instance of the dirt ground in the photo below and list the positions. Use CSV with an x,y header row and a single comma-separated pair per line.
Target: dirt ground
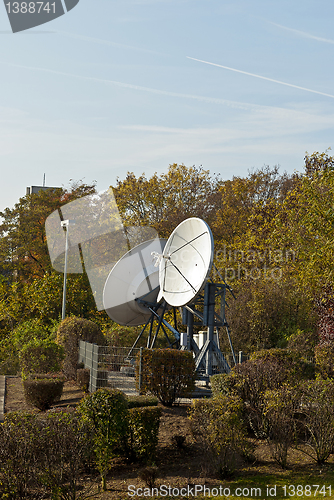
x,y
176,466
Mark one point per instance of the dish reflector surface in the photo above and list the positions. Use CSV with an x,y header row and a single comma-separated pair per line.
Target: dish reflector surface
x,y
133,277
186,262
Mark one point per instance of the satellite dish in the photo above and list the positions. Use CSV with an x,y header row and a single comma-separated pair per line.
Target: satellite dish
x,y
133,277
186,262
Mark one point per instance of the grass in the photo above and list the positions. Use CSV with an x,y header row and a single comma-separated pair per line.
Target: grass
x,y
246,486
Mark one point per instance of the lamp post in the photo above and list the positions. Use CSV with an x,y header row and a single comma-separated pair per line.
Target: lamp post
x,y
65,224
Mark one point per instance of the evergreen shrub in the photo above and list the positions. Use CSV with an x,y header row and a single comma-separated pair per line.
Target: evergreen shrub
x,y
168,374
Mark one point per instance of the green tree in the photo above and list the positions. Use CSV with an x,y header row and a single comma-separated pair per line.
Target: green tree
x,y
23,249
107,412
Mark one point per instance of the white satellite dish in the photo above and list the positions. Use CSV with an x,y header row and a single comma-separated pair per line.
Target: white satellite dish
x,y
133,277
186,262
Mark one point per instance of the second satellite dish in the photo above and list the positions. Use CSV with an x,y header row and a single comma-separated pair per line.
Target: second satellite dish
x,y
133,277
186,262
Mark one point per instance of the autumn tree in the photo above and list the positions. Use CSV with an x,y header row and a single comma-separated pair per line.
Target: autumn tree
x,y
164,201
29,286
23,248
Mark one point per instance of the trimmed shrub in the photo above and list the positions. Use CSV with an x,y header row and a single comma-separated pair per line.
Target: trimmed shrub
x,y
40,356
107,411
45,456
218,427
143,432
167,373
140,401
83,378
43,391
70,331
67,443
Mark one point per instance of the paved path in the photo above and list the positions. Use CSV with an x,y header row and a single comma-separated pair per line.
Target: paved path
x,y
2,396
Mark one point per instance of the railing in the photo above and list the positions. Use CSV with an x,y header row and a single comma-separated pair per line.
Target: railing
x,y
109,366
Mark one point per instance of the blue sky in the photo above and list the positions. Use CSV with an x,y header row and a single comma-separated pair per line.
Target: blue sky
x,y
110,87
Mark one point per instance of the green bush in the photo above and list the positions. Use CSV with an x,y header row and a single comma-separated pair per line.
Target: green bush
x,y
9,358
107,411
43,391
40,356
83,378
143,432
140,401
167,373
217,425
70,331
24,333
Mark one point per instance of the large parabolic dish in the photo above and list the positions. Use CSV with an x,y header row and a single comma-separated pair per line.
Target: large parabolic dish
x,y
186,262
133,277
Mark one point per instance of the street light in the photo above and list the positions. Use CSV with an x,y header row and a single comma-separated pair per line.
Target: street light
x,y
65,224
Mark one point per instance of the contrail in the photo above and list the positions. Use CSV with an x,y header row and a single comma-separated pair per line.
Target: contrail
x,y
213,100
262,77
304,34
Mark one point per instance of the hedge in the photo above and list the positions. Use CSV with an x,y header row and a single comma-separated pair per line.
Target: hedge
x,y
168,374
143,432
140,401
42,391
